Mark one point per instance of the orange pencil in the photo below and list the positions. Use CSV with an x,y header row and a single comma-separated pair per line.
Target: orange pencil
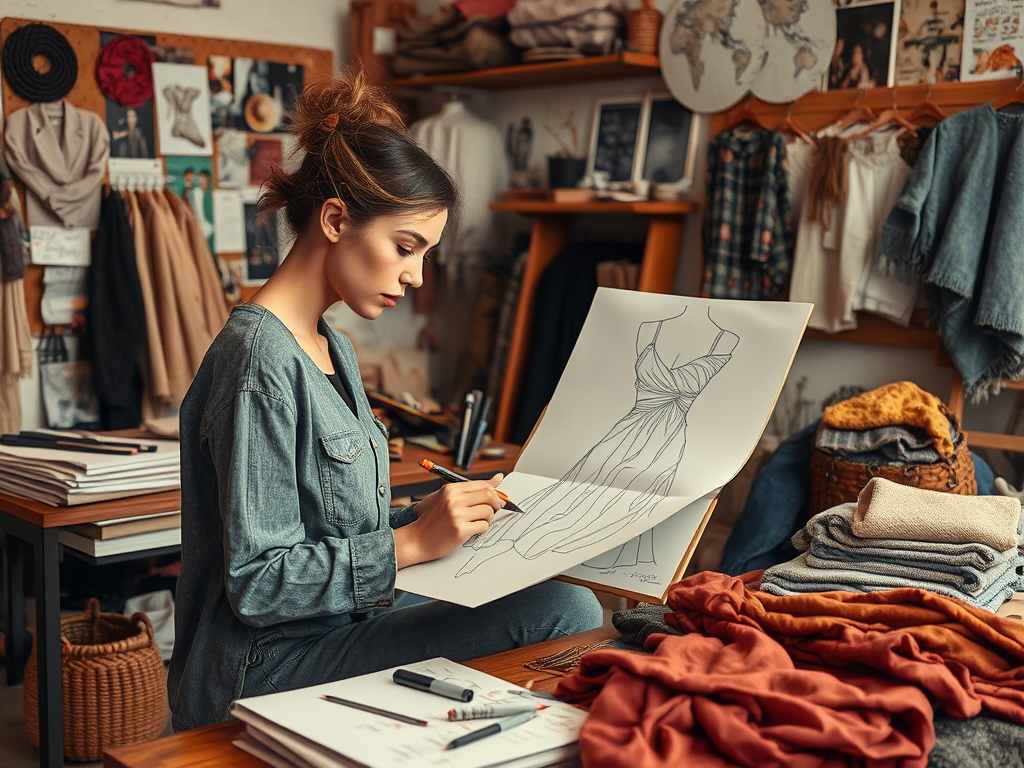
x,y
453,477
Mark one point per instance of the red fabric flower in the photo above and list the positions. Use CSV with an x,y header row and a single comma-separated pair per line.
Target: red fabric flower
x,y
124,71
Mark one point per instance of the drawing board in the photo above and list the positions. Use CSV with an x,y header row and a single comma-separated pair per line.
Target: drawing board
x,y
662,402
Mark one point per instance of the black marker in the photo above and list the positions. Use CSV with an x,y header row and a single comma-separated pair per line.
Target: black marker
x,y
425,683
491,730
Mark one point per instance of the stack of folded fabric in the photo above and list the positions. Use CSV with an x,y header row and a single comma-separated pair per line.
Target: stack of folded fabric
x,y
560,28
455,38
899,432
897,536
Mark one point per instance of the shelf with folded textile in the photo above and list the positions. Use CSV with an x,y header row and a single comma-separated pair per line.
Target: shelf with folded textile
x,y
550,234
616,66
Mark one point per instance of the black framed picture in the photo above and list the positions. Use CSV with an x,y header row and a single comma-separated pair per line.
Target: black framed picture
x,y
865,52
668,141
614,132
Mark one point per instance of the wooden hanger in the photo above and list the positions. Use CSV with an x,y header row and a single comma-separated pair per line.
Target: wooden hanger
x,y
890,115
927,108
857,114
790,125
747,114
1012,97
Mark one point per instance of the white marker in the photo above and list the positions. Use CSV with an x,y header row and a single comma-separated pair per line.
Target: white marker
x,y
493,709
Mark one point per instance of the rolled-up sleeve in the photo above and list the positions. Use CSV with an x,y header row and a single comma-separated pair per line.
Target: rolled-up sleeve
x,y
275,573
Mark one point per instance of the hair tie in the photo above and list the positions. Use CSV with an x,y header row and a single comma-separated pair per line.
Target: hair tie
x,y
124,71
330,122
24,44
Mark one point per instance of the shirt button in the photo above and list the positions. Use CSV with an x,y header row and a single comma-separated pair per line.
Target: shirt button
x,y
382,490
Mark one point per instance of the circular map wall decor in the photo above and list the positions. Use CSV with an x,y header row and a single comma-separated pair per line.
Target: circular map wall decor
x,y
712,50
801,35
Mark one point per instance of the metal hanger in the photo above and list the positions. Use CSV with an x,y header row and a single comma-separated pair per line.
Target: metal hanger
x,y
790,125
927,108
857,114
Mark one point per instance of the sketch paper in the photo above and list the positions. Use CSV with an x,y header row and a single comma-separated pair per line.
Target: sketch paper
x,y
228,221
647,564
663,400
60,246
361,738
182,94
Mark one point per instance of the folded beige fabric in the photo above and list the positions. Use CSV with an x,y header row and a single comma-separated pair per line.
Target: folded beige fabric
x,y
888,510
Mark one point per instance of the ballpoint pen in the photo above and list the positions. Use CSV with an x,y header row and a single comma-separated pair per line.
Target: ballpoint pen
x,y
374,710
491,730
452,477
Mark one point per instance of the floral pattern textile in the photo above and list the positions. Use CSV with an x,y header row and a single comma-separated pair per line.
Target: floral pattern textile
x,y
748,227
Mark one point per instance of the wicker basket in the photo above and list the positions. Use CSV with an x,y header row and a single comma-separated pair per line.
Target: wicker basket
x,y
113,679
643,26
834,480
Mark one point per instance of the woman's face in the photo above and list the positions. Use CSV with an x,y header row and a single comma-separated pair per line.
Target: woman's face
x,y
371,268
857,55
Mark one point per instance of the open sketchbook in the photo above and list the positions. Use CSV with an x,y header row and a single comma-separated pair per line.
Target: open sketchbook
x,y
300,728
661,403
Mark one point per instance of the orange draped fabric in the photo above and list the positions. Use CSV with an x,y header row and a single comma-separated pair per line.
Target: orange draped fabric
x,y
829,679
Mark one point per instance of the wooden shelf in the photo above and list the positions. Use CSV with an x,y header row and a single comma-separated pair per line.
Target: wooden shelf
x,y
872,329
590,69
645,208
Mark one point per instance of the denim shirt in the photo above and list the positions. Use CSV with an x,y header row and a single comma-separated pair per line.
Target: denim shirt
x,y
285,508
958,223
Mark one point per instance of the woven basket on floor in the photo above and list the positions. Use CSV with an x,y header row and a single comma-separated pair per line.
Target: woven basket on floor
x,y
113,680
643,26
834,480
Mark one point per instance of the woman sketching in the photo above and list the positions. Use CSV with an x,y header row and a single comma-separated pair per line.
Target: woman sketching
x,y
622,478
290,547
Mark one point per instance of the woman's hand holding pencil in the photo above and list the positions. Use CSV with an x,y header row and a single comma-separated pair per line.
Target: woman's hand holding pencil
x,y
446,519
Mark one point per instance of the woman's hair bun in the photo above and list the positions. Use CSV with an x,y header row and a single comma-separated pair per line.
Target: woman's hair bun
x,y
343,103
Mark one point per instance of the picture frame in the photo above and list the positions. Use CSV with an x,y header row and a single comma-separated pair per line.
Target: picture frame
x,y
614,138
668,141
866,43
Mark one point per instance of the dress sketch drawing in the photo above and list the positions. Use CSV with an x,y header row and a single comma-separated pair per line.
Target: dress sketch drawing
x,y
640,453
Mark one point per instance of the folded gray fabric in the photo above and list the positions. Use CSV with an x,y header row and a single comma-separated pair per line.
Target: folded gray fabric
x,y
965,578
897,444
830,534
981,742
637,624
798,577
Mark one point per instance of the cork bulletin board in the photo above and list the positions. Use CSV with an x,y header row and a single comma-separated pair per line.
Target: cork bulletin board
x,y
317,64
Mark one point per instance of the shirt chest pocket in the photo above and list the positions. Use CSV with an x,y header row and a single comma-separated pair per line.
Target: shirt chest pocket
x,y
348,477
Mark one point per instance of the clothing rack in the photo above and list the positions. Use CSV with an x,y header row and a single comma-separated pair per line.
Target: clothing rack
x,y
816,110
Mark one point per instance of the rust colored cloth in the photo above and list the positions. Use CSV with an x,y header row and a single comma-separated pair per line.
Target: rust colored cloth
x,y
728,684
901,403
703,702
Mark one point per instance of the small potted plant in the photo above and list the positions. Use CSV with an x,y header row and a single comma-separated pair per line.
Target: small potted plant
x,y
566,167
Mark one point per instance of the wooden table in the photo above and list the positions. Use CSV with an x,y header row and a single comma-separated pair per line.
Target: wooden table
x,y
26,522
212,746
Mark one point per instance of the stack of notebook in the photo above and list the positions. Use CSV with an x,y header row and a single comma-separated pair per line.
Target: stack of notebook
x,y
371,722
126,534
65,469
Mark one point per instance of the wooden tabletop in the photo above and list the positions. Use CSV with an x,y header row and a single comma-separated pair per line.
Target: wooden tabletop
x,y
211,747
406,473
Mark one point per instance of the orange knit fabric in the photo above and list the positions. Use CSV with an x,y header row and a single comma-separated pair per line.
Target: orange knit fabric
x,y
805,681
901,403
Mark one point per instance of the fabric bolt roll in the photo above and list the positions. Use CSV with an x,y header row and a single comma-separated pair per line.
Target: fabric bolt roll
x,y
798,577
748,685
900,403
896,443
830,534
888,510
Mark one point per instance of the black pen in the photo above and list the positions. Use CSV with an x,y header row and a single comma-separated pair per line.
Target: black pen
x,y
490,730
374,710
453,477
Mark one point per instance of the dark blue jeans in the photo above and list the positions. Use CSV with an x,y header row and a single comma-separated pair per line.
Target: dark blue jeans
x,y
403,635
